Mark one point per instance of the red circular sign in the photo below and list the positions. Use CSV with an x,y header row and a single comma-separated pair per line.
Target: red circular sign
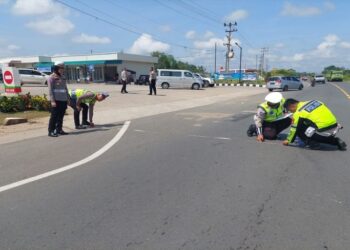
x,y
8,77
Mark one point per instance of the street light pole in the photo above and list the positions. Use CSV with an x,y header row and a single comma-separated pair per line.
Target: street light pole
x,y
240,63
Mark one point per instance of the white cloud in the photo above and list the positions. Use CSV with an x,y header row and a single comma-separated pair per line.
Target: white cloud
x,y
293,10
208,44
145,44
84,38
56,25
329,5
325,47
345,45
38,7
208,34
165,28
191,34
236,16
13,47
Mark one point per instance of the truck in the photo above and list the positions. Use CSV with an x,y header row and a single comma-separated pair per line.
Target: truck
x,y
335,75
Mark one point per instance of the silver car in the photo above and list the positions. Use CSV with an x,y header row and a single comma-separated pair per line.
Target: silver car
x,y
284,83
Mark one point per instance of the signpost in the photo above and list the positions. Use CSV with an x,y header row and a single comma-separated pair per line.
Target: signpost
x,y
12,82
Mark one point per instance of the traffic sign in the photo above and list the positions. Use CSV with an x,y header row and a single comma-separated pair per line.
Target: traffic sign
x,y
8,77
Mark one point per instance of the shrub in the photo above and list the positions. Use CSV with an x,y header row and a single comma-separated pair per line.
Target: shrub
x,y
24,102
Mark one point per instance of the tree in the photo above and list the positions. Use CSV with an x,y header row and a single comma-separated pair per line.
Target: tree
x,y
169,62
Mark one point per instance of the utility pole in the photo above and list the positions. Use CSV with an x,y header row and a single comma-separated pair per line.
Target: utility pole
x,y
240,62
229,53
262,59
215,60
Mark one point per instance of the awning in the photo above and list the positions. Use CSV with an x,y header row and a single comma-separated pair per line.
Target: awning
x,y
95,62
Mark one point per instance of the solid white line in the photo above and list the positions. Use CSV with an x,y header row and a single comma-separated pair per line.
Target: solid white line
x,y
98,153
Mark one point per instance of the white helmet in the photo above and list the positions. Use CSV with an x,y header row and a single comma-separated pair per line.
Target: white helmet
x,y
59,63
274,97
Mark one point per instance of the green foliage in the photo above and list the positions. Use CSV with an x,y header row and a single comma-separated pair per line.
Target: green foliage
x,y
169,62
283,72
23,102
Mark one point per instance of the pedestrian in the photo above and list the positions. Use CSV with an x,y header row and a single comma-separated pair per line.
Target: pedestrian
x,y
116,78
152,79
59,99
124,78
85,100
313,123
269,119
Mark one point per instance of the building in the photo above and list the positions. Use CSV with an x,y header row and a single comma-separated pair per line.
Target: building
x,y
102,67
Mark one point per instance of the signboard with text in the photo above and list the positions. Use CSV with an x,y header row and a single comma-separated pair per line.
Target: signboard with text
x,y
12,81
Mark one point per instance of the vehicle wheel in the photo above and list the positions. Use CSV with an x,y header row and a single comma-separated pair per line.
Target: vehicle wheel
x,y
285,88
165,85
195,86
270,90
301,87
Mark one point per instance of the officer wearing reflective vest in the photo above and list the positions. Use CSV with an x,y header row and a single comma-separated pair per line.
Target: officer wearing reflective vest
x,y
313,123
85,100
270,118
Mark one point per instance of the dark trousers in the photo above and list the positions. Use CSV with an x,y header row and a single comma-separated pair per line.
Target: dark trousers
x,y
124,87
272,129
152,86
301,128
57,114
85,109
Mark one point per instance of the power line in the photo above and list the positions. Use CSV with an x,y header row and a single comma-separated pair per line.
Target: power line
x,y
122,27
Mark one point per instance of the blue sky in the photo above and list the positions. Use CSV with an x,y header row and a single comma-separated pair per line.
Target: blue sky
x,y
306,35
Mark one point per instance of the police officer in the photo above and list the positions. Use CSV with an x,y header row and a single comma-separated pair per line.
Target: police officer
x,y
81,99
59,98
269,118
313,123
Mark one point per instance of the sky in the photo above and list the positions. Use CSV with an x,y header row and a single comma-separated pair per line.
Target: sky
x,y
306,35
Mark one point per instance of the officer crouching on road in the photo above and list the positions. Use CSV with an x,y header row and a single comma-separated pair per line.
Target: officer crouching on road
x,y
270,119
313,123
85,100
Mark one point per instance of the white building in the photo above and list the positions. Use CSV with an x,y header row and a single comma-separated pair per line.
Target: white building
x,y
102,67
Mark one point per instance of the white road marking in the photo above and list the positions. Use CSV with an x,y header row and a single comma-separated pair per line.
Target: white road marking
x,y
95,155
209,137
140,130
197,125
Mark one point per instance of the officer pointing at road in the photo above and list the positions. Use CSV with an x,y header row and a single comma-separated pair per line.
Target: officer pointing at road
x,y
313,123
85,100
269,119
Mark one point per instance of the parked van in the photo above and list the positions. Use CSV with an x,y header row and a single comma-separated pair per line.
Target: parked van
x,y
174,78
32,76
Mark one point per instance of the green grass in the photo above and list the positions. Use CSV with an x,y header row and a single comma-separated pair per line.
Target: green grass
x,y
30,115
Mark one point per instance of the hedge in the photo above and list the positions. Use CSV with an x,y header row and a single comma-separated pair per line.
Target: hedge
x,y
23,103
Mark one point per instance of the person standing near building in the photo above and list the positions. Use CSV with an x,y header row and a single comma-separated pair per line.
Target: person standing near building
x,y
85,100
124,79
59,99
152,79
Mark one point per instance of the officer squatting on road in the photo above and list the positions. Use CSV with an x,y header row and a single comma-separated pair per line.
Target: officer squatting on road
x,y
270,118
85,100
313,123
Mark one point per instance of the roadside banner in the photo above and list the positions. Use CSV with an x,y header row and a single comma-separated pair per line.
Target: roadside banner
x,y
12,81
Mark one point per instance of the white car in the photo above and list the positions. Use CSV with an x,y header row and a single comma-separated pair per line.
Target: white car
x,y
32,76
320,78
207,81
174,78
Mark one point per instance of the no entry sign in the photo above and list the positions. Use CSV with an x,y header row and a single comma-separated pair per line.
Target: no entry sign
x,y
8,77
12,82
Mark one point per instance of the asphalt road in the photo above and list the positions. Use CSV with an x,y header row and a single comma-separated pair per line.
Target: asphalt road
x,y
190,179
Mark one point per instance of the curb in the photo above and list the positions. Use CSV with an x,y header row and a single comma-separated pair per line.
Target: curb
x,y
14,120
239,85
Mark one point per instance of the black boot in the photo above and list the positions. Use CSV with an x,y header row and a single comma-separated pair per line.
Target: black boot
x,y
341,144
251,130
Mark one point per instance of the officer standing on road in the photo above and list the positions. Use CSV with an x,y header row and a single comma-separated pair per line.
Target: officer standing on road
x,y
85,100
124,78
59,99
313,123
152,79
269,118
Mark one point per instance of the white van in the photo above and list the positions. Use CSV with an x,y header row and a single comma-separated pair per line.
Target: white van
x,y
32,76
174,78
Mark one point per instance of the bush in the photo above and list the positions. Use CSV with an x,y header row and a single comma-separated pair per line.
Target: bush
x,y
24,102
